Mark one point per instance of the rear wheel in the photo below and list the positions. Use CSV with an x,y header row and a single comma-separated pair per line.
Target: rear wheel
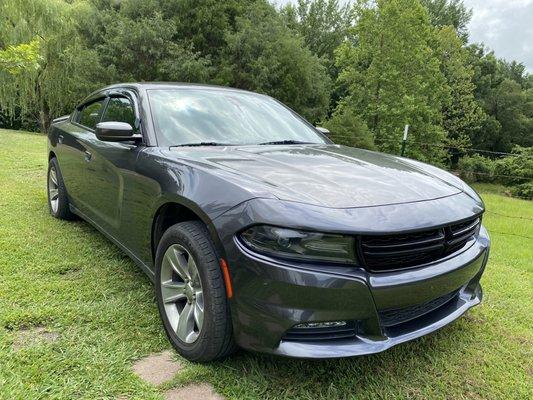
x,y
191,295
57,193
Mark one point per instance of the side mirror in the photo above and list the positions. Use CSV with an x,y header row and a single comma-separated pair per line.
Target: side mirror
x,y
323,130
115,132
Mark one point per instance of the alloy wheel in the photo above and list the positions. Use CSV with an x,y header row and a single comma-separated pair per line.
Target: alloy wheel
x,y
182,293
53,190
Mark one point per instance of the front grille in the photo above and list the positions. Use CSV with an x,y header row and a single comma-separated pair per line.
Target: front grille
x,y
393,252
397,316
321,334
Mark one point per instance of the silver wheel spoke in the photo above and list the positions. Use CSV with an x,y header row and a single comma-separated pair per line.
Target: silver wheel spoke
x,y
186,323
179,263
53,176
54,194
199,311
53,190
172,291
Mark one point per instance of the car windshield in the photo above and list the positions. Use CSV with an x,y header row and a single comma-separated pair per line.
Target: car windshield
x,y
190,116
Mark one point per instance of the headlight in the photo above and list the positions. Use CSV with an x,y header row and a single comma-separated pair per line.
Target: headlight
x,y
300,245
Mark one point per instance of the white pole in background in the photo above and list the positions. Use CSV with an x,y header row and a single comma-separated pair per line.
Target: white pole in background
x,y
404,142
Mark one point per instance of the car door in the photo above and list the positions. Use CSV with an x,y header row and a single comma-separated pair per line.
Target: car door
x,y
110,167
72,149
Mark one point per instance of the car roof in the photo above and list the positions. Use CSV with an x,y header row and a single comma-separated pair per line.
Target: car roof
x,y
172,85
141,86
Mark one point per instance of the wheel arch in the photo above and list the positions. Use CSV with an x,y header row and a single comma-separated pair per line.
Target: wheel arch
x,y
173,212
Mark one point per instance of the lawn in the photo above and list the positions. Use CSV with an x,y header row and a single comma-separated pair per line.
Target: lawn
x,y
67,279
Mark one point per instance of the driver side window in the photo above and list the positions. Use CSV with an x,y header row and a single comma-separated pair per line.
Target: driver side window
x,y
88,116
119,109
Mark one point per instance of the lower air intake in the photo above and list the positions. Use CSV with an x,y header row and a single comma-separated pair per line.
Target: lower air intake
x,y
397,316
313,334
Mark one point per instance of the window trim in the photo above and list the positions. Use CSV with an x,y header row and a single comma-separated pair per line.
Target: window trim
x,y
136,124
76,119
105,94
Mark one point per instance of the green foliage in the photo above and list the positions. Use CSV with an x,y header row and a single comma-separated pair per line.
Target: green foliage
x,y
322,23
372,66
524,190
347,128
22,58
393,76
504,91
516,170
462,115
449,13
46,75
513,171
476,168
143,48
263,55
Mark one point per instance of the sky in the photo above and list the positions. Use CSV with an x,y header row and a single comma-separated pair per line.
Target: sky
x,y
505,26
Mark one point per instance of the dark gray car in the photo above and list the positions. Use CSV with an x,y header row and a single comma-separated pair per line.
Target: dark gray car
x,y
258,231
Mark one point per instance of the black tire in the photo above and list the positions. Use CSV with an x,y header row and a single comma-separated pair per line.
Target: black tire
x,y
62,211
215,339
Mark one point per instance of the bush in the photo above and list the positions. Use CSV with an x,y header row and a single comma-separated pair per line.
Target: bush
x,y
525,190
348,128
516,170
476,168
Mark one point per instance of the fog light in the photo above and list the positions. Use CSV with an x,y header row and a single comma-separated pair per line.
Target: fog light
x,y
331,324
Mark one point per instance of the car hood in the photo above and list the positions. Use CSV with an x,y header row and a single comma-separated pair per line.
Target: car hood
x,y
326,175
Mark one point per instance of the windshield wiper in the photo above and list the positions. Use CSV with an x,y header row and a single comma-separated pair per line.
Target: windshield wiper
x,y
288,141
201,144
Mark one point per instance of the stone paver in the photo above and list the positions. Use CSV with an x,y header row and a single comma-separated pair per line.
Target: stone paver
x,y
157,368
201,391
35,335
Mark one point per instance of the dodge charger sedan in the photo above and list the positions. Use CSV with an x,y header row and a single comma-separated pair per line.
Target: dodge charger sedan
x,y
260,232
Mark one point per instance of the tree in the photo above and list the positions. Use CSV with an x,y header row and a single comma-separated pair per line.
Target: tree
x,y
263,55
508,103
44,63
449,13
462,115
239,43
349,129
323,24
393,76
143,47
504,91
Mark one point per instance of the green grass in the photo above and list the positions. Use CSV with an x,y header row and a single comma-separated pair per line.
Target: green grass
x,y
68,278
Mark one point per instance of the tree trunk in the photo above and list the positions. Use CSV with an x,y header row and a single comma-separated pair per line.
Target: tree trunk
x,y
45,119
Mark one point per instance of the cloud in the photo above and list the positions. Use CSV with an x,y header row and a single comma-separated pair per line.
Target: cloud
x,y
505,26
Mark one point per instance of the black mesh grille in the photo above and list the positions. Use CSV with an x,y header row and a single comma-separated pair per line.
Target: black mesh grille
x,y
393,252
397,316
321,334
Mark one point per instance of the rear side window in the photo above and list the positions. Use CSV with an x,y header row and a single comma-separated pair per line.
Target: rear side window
x,y
89,114
119,109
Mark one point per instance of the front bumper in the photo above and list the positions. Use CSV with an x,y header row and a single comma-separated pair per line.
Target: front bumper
x,y
271,297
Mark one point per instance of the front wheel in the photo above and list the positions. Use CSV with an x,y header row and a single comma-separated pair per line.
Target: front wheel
x,y
191,295
57,193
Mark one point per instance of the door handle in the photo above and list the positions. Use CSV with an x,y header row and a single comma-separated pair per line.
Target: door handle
x,y
88,155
